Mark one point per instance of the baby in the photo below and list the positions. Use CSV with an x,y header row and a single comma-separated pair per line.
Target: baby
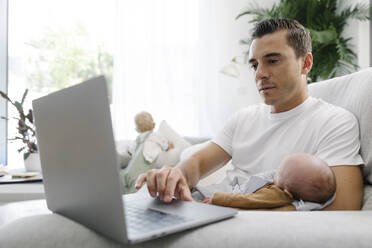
x,y
305,177
301,179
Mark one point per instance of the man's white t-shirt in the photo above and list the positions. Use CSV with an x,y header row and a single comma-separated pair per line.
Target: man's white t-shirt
x,y
258,140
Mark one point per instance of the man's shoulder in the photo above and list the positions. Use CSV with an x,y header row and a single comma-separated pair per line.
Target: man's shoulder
x,y
328,111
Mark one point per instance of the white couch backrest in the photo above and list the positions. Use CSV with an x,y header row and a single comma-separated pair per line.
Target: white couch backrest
x,y
354,93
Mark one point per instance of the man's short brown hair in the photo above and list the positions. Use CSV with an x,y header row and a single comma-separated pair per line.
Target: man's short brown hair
x,y
298,37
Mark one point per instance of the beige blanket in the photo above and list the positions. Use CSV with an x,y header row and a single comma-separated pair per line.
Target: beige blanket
x,y
269,197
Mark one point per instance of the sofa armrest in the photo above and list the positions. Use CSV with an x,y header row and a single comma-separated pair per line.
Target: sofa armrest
x,y
249,228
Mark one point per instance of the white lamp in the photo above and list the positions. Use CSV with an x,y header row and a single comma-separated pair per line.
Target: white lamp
x,y
231,69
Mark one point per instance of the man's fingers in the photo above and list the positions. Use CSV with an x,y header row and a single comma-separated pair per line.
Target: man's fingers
x,y
140,180
151,182
172,181
185,193
179,186
206,200
167,182
174,178
161,180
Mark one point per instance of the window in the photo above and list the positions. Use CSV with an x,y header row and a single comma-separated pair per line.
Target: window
x,y
161,56
53,45
3,77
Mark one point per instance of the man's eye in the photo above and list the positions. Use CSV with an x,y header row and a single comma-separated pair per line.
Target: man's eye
x,y
254,66
273,61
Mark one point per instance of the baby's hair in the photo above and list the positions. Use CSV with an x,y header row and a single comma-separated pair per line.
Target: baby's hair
x,y
144,122
318,190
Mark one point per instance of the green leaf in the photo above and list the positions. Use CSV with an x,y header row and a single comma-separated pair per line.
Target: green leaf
x,y
19,107
26,155
21,149
325,36
5,96
359,11
30,117
244,42
24,96
259,13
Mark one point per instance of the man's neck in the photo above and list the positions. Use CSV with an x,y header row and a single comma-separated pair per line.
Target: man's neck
x,y
291,104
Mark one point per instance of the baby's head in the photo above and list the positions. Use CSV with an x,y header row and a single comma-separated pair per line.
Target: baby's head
x,y
144,122
306,177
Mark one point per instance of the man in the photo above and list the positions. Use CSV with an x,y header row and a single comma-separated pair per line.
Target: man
x,y
259,137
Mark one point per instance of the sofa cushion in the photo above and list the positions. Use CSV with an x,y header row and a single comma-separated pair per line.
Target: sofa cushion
x,y
248,229
352,92
367,198
123,147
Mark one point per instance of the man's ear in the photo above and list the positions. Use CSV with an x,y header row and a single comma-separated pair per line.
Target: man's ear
x,y
307,63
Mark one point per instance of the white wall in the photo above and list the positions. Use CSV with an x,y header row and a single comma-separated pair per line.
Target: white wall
x,y
360,33
238,92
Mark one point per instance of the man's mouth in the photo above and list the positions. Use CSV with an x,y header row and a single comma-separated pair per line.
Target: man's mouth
x,y
266,88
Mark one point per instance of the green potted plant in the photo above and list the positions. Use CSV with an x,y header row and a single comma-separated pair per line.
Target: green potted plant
x,y
325,20
25,133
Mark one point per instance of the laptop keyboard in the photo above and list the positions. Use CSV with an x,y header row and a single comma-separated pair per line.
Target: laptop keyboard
x,y
145,220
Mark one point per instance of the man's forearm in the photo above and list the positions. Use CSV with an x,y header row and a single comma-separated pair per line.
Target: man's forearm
x,y
191,171
349,188
205,161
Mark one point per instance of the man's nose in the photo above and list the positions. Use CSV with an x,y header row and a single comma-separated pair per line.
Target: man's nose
x,y
261,73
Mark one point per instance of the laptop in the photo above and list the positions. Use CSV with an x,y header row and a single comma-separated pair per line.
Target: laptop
x,y
81,171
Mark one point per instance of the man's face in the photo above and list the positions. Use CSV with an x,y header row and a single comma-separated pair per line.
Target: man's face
x,y
280,76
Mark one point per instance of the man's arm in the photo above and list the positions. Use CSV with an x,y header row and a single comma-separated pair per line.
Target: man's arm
x,y
168,182
349,188
203,163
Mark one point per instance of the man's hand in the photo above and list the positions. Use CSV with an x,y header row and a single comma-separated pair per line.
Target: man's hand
x,y
176,182
167,182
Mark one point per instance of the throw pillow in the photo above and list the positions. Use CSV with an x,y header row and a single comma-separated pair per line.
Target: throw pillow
x,y
123,147
165,130
172,156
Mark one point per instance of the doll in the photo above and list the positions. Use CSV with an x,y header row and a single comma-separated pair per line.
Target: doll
x,y
154,143
148,146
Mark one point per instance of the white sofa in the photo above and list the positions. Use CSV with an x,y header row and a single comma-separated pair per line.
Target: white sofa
x,y
29,224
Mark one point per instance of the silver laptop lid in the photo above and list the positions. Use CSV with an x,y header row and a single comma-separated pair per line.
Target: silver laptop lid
x,y
78,157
